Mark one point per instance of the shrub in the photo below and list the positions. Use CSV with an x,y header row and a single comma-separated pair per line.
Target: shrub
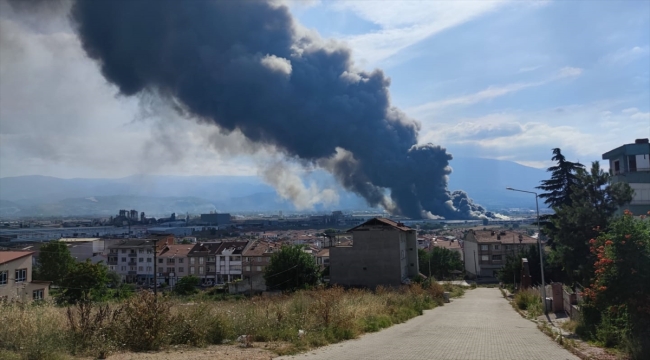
x,y
528,299
144,322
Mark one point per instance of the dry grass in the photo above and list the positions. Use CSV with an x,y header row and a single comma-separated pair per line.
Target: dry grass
x,y
303,320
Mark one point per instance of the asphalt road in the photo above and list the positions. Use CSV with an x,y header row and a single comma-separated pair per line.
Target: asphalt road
x,y
480,325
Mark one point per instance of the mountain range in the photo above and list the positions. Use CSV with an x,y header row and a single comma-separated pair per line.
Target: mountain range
x,y
484,180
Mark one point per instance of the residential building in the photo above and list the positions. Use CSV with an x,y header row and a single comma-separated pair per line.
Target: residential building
x,y
133,259
218,262
16,282
383,252
173,262
630,164
485,251
83,249
256,257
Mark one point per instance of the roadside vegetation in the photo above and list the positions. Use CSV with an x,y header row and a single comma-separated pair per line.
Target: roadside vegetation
x,y
590,246
300,320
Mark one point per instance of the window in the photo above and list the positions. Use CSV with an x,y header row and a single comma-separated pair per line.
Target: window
x,y
192,261
496,257
3,277
223,258
141,251
123,259
247,259
248,268
160,261
496,247
141,260
148,268
171,261
123,251
180,261
140,268
123,268
210,258
192,270
485,258
259,258
235,258
37,294
259,268
484,247
200,269
132,268
148,259
210,268
148,251
111,268
132,251
508,247
21,275
170,269
200,261
180,270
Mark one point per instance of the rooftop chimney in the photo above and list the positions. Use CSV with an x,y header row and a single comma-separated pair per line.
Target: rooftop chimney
x,y
641,141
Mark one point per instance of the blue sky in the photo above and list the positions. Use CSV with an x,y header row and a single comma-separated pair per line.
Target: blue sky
x,y
505,79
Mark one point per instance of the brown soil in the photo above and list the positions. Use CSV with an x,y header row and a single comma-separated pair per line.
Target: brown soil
x,y
259,351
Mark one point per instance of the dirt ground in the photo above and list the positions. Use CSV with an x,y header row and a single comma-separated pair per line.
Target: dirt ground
x,y
215,352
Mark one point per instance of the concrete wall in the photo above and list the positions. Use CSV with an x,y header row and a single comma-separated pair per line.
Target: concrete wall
x,y
469,249
374,259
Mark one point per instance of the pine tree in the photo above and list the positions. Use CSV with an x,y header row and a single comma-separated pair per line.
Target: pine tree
x,y
559,187
594,201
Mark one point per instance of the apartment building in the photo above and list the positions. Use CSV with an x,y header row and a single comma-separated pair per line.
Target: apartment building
x,y
630,163
383,252
216,263
485,251
16,282
133,259
257,256
173,263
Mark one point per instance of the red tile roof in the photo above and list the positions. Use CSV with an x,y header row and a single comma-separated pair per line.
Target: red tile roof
x,y
7,256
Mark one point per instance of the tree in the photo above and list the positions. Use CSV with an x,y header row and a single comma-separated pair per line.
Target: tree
x,y
54,262
439,262
511,270
187,285
594,201
290,269
563,178
84,282
616,308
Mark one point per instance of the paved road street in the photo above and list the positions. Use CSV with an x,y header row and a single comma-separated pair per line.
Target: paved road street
x,y
480,325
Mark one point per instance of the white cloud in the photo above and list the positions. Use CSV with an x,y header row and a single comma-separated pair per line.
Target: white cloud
x,y
625,55
632,110
404,23
529,69
490,93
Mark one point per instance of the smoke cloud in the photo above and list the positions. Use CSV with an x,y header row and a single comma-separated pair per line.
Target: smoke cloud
x,y
247,67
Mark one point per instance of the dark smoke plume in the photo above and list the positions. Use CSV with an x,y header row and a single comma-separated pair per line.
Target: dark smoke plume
x,y
245,65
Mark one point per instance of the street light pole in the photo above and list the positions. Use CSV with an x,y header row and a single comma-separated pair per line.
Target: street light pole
x,y
539,243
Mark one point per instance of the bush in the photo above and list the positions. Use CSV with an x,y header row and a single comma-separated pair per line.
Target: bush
x,y
303,319
187,285
529,300
144,323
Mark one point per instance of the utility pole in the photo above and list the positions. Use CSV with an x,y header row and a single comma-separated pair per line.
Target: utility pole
x,y
155,270
539,243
